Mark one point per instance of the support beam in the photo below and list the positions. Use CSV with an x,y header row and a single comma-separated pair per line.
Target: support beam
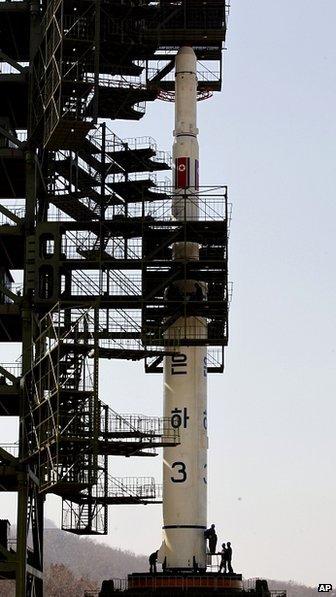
x,y
11,137
13,63
4,290
9,214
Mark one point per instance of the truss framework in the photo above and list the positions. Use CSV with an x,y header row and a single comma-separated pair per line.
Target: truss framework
x,y
85,217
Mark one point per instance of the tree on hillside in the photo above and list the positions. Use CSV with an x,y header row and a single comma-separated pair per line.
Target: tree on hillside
x,y
87,557
61,582
7,588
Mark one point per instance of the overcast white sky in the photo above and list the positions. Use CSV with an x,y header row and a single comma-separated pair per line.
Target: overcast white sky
x,y
271,137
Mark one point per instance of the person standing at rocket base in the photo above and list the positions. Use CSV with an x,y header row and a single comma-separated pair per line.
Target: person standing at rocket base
x,y
185,374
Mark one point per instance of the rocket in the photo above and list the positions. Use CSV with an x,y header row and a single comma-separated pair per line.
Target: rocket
x,y
185,374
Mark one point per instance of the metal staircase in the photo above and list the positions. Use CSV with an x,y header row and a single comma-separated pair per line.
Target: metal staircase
x,y
85,222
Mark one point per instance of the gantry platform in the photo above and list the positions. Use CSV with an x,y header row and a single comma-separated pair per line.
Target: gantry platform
x,y
77,207
175,583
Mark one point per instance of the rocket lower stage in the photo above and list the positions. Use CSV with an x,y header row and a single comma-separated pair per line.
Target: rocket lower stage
x,y
185,466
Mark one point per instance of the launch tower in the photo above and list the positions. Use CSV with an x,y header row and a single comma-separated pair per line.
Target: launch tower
x,y
91,246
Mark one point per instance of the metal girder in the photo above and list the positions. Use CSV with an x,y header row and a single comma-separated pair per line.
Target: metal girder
x,y
90,89
11,137
9,214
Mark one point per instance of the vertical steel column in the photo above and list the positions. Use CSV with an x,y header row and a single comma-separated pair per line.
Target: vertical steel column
x,y
30,505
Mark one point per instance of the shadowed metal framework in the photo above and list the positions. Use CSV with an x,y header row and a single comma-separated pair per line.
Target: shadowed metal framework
x,y
86,235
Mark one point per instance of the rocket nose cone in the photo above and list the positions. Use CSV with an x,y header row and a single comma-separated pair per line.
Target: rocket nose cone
x,y
186,51
185,60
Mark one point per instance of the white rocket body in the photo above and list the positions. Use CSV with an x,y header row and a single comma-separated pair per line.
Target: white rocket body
x,y
185,374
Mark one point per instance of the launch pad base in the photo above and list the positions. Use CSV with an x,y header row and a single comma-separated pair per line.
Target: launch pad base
x,y
173,584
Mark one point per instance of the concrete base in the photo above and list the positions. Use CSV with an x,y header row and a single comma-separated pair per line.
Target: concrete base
x,y
174,584
177,584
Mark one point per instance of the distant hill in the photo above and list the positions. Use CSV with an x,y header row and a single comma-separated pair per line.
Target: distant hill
x,y
85,557
294,589
74,563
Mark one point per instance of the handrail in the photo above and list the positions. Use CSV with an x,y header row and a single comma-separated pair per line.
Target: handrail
x,y
206,75
141,488
12,449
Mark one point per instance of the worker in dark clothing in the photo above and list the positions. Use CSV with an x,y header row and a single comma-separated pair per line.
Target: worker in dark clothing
x,y
198,292
152,562
210,534
173,293
107,588
223,559
228,557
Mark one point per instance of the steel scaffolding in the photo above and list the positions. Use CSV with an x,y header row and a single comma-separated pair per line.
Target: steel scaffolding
x,y
85,248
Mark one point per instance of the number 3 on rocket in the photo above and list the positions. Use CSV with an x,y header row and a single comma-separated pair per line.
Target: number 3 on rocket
x,y
181,470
